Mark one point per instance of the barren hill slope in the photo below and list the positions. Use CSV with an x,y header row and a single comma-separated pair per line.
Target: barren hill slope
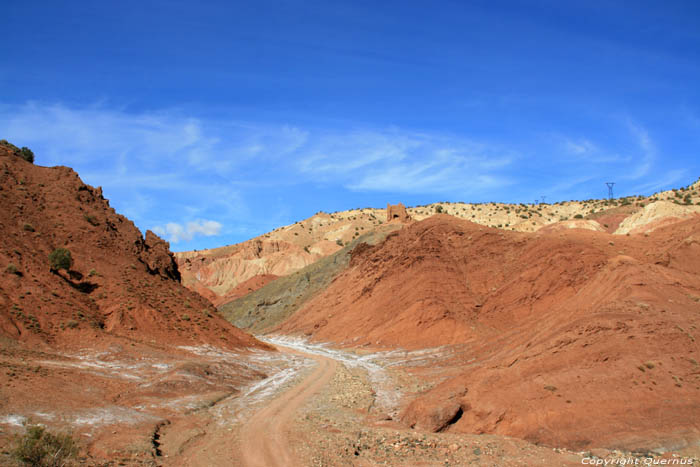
x,y
119,284
572,337
111,347
217,273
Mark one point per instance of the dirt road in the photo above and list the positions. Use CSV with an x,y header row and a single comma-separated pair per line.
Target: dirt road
x,y
264,439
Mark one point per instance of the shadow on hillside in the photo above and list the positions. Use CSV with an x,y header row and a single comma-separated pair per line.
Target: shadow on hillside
x,y
82,286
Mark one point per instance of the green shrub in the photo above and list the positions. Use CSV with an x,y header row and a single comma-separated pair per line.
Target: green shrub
x,y
12,269
26,154
4,142
28,227
39,447
578,216
438,209
60,258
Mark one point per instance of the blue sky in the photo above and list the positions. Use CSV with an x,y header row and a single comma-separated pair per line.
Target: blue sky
x,y
214,122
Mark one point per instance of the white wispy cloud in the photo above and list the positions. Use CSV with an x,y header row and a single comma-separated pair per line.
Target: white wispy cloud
x,y
154,166
176,233
406,162
644,162
587,150
666,181
96,132
169,169
580,147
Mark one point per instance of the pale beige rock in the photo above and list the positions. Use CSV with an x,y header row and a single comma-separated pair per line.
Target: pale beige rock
x,y
655,215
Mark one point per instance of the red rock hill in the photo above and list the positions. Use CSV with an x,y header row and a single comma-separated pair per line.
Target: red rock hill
x,y
120,283
574,338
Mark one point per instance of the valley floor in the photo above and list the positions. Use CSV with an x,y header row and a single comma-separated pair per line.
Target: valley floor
x,y
305,405
338,409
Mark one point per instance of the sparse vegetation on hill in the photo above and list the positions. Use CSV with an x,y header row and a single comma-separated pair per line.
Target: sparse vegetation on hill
x,y
23,152
60,258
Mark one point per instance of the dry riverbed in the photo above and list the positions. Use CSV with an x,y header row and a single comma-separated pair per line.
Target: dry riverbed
x,y
305,405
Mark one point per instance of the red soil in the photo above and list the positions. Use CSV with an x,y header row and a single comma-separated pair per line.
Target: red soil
x,y
246,287
96,349
575,338
610,219
121,284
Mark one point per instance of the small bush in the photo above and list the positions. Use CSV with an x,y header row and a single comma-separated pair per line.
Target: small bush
x,y
39,447
26,154
60,258
438,209
12,269
578,216
92,272
28,227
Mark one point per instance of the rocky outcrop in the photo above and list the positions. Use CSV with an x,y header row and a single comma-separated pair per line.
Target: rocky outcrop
x,y
158,258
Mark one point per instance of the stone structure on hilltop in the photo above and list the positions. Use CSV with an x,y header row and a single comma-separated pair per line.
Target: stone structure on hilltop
x,y
397,213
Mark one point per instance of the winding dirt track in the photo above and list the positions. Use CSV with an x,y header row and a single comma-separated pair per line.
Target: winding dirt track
x,y
264,440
